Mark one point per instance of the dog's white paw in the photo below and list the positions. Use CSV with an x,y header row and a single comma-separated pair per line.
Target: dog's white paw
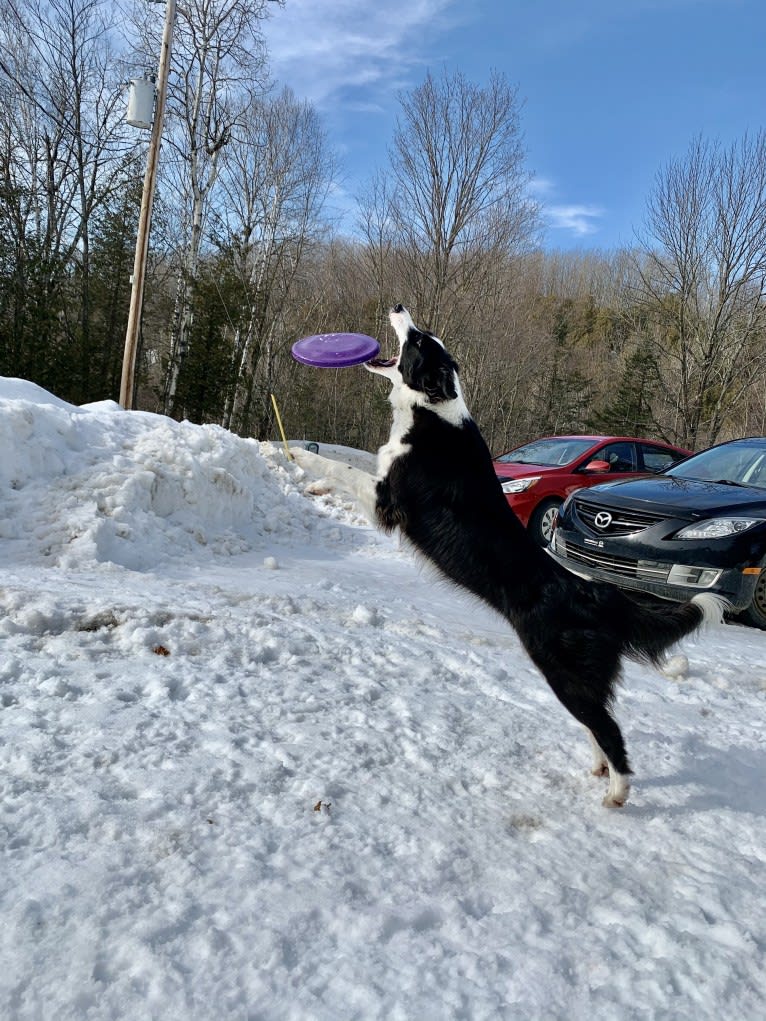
x,y
619,789
676,668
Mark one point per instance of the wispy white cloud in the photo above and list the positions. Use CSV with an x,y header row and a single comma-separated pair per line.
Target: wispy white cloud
x,y
350,57
326,49
578,219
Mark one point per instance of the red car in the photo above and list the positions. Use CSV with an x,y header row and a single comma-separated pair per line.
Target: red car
x,y
538,476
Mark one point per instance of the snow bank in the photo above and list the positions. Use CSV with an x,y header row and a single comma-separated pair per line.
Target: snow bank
x,y
101,485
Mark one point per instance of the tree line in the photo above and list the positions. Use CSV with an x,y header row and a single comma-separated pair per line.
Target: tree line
x,y
663,339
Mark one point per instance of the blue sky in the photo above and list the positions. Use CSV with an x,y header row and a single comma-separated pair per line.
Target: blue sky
x,y
612,89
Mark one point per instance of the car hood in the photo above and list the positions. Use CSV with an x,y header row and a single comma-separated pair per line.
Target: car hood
x,y
687,496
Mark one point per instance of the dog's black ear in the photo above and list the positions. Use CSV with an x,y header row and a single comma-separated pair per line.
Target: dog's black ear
x,y
427,367
439,383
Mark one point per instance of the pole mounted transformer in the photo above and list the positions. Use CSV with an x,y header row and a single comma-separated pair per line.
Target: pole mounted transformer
x,y
148,119
141,103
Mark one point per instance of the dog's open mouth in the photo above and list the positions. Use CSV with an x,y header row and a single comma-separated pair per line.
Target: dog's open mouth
x,y
381,363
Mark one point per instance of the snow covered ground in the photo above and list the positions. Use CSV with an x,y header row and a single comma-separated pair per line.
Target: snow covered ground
x,y
256,763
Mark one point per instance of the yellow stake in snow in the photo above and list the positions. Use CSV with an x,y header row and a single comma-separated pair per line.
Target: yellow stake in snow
x,y
281,429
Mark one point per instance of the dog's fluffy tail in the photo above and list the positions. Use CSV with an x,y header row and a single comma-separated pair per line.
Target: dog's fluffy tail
x,y
654,629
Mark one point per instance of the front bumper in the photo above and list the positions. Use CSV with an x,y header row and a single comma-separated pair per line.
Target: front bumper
x,y
673,581
522,504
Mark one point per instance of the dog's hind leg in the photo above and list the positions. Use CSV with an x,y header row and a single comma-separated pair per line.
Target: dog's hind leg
x,y
608,751
588,701
600,761
619,784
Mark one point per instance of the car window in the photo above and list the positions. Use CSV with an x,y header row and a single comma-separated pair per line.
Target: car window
x,y
737,462
656,459
755,474
621,457
556,450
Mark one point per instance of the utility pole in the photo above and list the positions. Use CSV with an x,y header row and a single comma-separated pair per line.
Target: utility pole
x,y
127,384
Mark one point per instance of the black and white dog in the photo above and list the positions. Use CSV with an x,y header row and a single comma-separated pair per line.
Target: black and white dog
x,y
436,483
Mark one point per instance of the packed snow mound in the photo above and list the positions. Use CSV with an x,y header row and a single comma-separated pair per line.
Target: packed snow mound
x,y
361,459
22,390
132,488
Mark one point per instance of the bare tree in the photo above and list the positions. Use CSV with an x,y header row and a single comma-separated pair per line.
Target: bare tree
x,y
275,178
457,202
702,278
378,254
218,58
66,149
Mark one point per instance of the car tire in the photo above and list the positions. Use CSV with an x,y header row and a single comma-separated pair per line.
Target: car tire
x,y
755,613
541,521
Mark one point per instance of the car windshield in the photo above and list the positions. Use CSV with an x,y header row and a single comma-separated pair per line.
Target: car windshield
x,y
557,450
742,464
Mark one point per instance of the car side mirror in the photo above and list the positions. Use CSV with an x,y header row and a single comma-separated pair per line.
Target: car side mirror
x,y
597,467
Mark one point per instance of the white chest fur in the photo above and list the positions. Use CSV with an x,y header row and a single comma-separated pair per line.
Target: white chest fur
x,y
404,401
401,425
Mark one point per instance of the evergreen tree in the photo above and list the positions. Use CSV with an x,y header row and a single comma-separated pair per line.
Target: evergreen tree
x,y
112,253
206,374
629,413
563,396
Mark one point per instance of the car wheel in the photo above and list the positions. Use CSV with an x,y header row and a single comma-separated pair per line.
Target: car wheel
x,y
541,521
755,613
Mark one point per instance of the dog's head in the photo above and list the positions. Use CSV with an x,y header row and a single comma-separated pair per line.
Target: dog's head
x,y
423,365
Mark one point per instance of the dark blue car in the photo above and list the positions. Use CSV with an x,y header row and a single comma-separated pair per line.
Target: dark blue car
x,y
698,526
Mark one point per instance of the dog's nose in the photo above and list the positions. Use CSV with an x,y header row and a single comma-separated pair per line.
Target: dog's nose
x,y
398,308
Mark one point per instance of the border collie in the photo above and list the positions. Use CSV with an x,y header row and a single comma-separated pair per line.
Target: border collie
x,y
436,483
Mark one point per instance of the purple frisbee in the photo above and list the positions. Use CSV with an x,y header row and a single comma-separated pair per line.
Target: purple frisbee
x,y
335,350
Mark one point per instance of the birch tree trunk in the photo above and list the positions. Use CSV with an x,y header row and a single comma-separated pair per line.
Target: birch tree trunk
x,y
218,59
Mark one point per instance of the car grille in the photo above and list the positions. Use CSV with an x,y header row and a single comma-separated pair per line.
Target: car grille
x,y
622,521
623,567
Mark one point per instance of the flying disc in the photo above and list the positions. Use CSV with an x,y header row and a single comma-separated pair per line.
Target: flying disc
x,y
335,350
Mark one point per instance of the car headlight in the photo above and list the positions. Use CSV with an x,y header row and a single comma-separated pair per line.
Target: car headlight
x,y
717,528
519,485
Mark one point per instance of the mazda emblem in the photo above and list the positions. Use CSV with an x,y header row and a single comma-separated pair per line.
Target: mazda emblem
x,y
602,520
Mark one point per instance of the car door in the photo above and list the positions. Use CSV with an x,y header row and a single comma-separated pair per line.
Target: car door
x,y
620,456
655,459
